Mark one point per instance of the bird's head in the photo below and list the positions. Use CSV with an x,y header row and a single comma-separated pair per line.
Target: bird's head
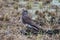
x,y
25,12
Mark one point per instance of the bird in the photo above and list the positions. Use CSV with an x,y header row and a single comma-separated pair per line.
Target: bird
x,y
27,20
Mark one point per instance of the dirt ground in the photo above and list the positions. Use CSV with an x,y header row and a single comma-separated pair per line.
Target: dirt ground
x,y
11,23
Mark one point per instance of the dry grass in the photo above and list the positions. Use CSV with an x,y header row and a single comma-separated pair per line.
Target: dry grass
x,y
10,23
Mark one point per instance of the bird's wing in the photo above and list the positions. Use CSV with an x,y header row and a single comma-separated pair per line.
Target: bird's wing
x,y
29,21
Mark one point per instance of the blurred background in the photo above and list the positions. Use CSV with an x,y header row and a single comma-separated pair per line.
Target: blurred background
x,y
46,13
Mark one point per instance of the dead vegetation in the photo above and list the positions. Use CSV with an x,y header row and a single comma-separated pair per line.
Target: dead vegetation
x,y
11,23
